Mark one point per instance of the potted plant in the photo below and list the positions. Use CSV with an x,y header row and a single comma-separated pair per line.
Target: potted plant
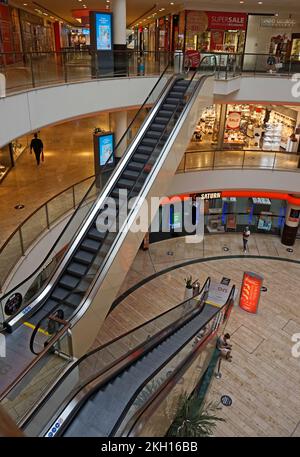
x,y
194,418
188,288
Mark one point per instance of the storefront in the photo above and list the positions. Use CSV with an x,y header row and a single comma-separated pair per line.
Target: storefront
x,y
10,153
37,36
10,35
225,211
248,126
212,31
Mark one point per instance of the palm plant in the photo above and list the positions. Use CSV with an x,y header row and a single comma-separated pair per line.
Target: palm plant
x,y
194,418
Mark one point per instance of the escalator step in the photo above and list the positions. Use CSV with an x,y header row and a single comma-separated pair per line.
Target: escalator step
x,y
153,134
182,82
172,101
168,108
69,282
130,174
95,235
144,149
176,94
90,245
119,195
77,269
141,158
161,120
179,89
126,183
157,127
73,300
60,293
84,257
165,114
149,141
135,166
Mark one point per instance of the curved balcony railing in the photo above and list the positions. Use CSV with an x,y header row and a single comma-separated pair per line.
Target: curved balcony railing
x,y
238,159
25,71
41,220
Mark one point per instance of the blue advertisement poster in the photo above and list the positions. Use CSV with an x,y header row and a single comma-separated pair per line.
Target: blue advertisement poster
x,y
106,147
103,32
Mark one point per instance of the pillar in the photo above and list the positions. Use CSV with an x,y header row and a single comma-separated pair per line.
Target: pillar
x,y
291,225
119,128
119,25
222,127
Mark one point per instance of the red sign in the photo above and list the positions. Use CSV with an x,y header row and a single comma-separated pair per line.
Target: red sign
x,y
226,21
193,58
250,292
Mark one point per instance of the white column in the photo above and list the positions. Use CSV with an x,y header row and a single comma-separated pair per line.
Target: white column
x,y
119,21
119,127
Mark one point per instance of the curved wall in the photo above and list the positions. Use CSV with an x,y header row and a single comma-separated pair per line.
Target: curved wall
x,y
29,111
218,180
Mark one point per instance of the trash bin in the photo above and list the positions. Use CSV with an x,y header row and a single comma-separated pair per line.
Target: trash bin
x,y
178,61
2,85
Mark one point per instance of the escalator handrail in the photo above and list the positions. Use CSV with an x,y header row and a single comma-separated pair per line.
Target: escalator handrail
x,y
72,414
7,294
80,311
168,384
109,367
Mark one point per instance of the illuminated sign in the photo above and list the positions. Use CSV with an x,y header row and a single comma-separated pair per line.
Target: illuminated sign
x,y
105,149
226,21
275,22
234,120
250,292
103,31
210,195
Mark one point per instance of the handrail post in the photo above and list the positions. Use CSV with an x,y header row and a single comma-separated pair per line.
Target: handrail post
x,y
32,71
244,157
74,199
21,241
47,216
274,161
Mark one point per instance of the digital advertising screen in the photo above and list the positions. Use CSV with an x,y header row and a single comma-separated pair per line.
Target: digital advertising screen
x,y
250,292
103,31
105,149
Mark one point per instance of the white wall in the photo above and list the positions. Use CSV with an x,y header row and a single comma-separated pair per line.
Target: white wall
x,y
29,111
218,180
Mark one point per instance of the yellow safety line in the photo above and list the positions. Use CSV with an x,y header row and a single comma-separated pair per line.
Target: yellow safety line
x,y
213,304
40,330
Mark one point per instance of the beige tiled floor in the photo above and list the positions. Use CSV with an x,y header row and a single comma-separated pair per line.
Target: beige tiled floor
x,y
263,378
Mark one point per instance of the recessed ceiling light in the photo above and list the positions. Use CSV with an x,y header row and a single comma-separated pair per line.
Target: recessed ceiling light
x,y
25,4
242,1
260,3
171,3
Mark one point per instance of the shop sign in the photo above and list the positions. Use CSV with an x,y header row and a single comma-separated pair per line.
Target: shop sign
x,y
250,292
210,195
227,21
234,120
279,23
193,58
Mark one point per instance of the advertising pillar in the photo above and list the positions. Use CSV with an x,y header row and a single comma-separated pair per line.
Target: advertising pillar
x,y
120,126
291,225
101,26
250,292
104,159
119,38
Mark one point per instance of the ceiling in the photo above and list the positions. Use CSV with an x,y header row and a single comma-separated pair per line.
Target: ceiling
x,y
141,10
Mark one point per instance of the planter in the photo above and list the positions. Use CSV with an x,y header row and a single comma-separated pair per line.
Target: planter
x,y
189,293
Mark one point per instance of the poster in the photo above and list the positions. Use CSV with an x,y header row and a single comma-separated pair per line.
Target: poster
x,y
250,292
106,147
233,120
226,21
104,31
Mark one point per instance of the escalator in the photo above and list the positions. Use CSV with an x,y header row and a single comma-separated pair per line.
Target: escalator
x,y
106,400
98,245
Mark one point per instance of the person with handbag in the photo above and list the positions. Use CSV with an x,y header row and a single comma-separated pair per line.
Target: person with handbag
x,y
37,146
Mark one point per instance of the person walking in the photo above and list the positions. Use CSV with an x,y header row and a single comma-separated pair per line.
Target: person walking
x,y
246,235
38,147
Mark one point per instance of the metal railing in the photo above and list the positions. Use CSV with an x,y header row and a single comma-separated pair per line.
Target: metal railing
x,y
24,71
238,159
44,218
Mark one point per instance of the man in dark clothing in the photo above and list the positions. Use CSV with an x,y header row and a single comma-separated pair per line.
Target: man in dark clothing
x,y
37,146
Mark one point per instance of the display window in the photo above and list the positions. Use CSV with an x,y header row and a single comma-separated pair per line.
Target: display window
x,y
215,31
206,131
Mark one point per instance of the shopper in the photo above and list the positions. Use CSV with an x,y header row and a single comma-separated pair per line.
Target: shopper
x,y
38,147
271,61
246,235
224,347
